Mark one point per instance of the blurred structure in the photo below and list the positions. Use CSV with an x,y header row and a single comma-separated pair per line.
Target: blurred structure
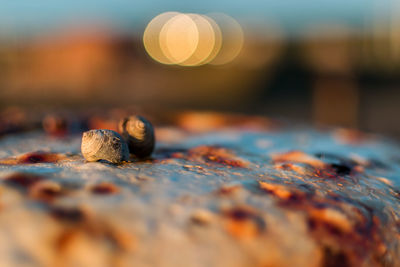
x,y
335,92
333,69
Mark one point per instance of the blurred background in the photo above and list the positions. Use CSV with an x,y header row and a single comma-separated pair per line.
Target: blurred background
x,y
320,62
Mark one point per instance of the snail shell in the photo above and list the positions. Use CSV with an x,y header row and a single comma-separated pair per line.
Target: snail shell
x,y
104,145
139,134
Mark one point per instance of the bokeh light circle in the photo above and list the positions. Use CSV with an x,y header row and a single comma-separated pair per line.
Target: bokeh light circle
x,y
206,41
193,39
151,37
232,38
217,42
179,38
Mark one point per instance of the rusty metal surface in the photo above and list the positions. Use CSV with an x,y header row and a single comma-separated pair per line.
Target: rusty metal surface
x,y
224,194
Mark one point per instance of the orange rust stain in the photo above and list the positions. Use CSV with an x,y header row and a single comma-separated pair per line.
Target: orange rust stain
x,y
98,231
123,240
244,230
298,157
385,181
105,188
325,173
69,214
275,189
212,154
23,180
66,239
332,217
359,169
40,157
36,187
34,157
243,222
333,221
46,191
217,155
293,167
202,217
356,238
229,189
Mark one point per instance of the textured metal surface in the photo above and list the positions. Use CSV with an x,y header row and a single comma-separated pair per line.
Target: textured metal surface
x,y
233,196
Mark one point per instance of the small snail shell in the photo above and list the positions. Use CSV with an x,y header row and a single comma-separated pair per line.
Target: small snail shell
x,y
104,145
139,134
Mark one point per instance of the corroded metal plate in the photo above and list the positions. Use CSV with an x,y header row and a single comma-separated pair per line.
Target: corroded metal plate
x,y
216,192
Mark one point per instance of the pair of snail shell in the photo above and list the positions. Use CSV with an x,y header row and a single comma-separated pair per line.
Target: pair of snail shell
x,y
137,138
139,134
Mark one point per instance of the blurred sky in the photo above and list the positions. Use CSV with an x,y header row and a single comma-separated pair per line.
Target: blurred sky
x,y
31,17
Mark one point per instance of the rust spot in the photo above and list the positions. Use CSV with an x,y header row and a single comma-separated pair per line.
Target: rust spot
x,y
46,191
67,214
395,193
121,239
341,169
275,189
212,154
105,188
334,218
34,157
359,169
334,258
39,157
243,222
23,180
326,173
298,157
291,167
194,168
201,217
95,231
66,239
385,181
228,189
